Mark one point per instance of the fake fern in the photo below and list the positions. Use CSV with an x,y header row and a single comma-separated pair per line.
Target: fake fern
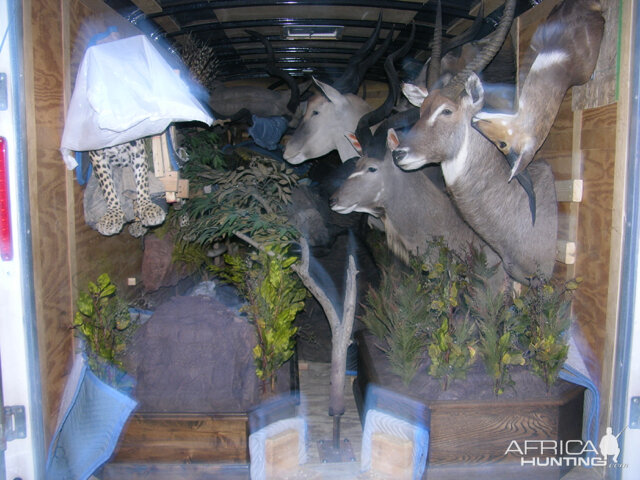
x,y
546,309
396,313
498,324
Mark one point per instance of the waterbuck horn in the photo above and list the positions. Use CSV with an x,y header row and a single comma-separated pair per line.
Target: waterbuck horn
x,y
468,35
434,63
436,51
271,68
370,144
456,86
351,78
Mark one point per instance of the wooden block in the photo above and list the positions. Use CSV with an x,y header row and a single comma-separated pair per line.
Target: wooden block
x,y
281,453
158,161
170,181
566,252
183,188
171,197
392,456
569,190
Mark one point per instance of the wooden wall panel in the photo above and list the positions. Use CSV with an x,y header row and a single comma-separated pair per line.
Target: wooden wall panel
x,y
66,252
48,196
594,227
581,145
121,255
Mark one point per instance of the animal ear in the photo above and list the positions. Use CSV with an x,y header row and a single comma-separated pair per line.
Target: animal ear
x,y
414,94
473,87
392,139
331,93
355,143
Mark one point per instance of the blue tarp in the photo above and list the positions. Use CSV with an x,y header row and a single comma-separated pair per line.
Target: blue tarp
x,y
267,131
93,415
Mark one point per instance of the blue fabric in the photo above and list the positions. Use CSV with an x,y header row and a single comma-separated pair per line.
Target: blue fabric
x,y
89,429
591,403
267,131
420,453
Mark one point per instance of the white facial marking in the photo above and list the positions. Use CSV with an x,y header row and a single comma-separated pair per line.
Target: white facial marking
x,y
355,174
548,59
510,131
454,167
434,115
412,162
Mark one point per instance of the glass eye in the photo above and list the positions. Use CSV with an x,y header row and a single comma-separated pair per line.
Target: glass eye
x,y
502,145
447,112
372,169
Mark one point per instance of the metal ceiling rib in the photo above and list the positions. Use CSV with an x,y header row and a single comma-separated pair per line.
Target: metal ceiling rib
x,y
222,24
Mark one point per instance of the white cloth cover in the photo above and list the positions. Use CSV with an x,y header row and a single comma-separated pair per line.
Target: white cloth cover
x,y
125,90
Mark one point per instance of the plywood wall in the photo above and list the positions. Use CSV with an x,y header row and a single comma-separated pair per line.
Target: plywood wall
x,y
581,146
66,252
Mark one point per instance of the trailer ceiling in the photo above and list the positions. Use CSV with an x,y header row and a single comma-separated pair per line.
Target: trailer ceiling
x,y
222,24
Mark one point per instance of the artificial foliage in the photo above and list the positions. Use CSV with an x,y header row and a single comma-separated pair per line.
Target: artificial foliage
x,y
103,322
203,148
498,324
451,344
250,199
546,311
274,297
397,314
453,311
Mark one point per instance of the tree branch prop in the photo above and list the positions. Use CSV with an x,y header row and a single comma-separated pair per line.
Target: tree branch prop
x,y
341,328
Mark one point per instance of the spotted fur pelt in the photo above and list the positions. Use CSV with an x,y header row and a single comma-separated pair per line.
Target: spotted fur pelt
x,y
147,213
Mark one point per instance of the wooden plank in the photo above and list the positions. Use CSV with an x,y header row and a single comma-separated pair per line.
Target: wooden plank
x,y
158,156
594,237
569,190
566,252
170,181
171,471
623,120
280,454
183,188
178,438
391,455
50,223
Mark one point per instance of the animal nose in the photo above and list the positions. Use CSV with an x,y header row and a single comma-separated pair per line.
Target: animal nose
x,y
399,154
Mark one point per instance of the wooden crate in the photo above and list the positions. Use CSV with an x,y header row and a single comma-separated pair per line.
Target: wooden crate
x,y
469,438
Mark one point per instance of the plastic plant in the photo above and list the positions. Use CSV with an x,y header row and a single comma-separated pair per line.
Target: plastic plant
x,y
546,310
451,342
274,296
103,322
497,323
396,313
251,199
